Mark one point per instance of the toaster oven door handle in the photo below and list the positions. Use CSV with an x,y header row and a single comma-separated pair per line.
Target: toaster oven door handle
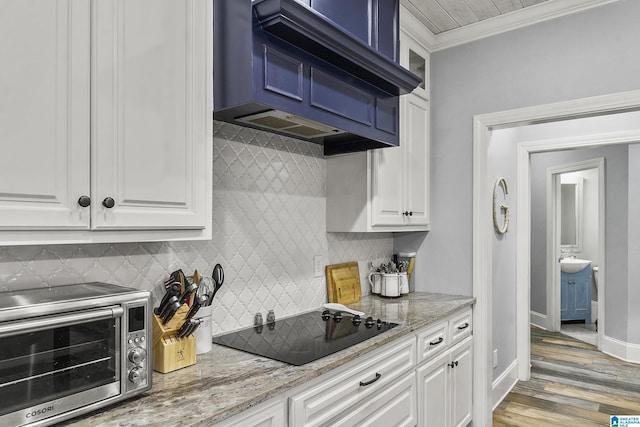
x,y
60,320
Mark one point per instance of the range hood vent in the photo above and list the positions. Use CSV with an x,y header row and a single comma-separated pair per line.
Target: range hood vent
x,y
279,121
325,71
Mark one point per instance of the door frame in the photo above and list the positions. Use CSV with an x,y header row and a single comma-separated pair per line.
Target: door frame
x,y
483,125
553,237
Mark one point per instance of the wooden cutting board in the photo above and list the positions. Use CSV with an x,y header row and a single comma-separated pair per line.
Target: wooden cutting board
x,y
343,282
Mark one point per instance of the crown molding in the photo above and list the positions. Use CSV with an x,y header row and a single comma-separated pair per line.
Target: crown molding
x,y
416,28
511,21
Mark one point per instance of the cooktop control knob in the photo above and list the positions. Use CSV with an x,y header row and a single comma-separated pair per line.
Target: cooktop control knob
x,y
356,320
326,315
137,355
337,316
369,322
137,376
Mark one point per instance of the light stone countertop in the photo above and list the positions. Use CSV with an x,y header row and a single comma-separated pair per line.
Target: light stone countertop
x,y
225,382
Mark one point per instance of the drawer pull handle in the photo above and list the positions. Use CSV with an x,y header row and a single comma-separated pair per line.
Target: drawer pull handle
x,y
465,326
438,341
364,384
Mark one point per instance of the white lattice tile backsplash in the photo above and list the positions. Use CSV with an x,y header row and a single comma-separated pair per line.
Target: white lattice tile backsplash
x,y
268,223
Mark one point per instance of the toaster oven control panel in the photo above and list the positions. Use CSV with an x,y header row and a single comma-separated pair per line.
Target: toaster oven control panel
x,y
137,347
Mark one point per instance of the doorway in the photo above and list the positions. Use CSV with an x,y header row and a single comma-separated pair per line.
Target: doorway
x,y
574,216
484,125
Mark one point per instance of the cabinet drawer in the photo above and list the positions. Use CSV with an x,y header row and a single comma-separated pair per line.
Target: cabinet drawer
x,y
338,394
432,341
395,406
461,326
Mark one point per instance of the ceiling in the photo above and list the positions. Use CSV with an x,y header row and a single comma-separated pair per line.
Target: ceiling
x,y
443,15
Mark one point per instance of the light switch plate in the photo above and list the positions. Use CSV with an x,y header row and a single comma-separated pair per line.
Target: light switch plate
x,y
317,266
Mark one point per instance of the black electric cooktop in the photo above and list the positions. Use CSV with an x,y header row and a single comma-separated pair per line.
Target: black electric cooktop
x,y
304,338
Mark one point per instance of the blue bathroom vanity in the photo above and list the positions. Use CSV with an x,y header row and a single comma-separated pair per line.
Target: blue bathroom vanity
x,y
575,295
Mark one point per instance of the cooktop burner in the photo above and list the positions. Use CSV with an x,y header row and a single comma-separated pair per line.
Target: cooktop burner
x,y
304,338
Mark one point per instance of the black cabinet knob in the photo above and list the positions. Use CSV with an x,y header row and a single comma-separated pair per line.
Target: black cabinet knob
x,y
405,213
410,213
84,201
108,202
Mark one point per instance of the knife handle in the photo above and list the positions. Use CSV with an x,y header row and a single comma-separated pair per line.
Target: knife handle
x,y
195,306
191,288
172,290
183,329
170,312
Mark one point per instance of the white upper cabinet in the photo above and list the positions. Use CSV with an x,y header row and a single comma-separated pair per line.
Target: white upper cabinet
x,y
106,132
149,119
388,189
44,113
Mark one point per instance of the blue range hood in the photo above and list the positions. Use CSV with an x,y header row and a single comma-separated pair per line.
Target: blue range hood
x,y
326,71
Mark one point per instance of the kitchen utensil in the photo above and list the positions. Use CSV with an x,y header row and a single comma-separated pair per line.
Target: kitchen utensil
x,y
205,331
183,329
218,279
188,292
195,306
374,280
196,277
170,312
342,308
173,289
165,308
404,283
390,285
410,258
188,328
343,283
205,288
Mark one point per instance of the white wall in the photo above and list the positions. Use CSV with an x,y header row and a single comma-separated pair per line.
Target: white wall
x,y
577,56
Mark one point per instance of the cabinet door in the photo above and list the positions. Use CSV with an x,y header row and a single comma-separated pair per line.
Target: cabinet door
x,y
149,99
414,111
416,59
565,297
461,382
386,186
582,295
433,392
44,114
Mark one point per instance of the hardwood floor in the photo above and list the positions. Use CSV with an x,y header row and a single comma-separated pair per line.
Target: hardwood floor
x,y
572,384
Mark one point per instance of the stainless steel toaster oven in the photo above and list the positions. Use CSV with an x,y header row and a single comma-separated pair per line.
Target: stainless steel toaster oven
x,y
68,350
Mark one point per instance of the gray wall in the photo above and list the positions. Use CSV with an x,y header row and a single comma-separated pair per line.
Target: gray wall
x,y
634,245
502,155
586,54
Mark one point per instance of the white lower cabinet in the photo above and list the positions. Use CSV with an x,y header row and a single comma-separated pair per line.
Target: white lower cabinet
x,y
396,405
445,387
424,379
349,393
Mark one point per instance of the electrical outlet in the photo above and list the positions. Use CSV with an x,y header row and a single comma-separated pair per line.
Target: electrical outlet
x,y
317,266
495,358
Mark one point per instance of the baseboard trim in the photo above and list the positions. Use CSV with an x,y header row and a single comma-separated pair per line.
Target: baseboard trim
x,y
538,319
620,349
504,383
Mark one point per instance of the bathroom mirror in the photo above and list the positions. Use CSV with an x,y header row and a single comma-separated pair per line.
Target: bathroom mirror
x,y
571,214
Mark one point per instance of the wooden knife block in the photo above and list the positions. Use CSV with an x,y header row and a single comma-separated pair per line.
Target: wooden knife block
x,y
170,352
